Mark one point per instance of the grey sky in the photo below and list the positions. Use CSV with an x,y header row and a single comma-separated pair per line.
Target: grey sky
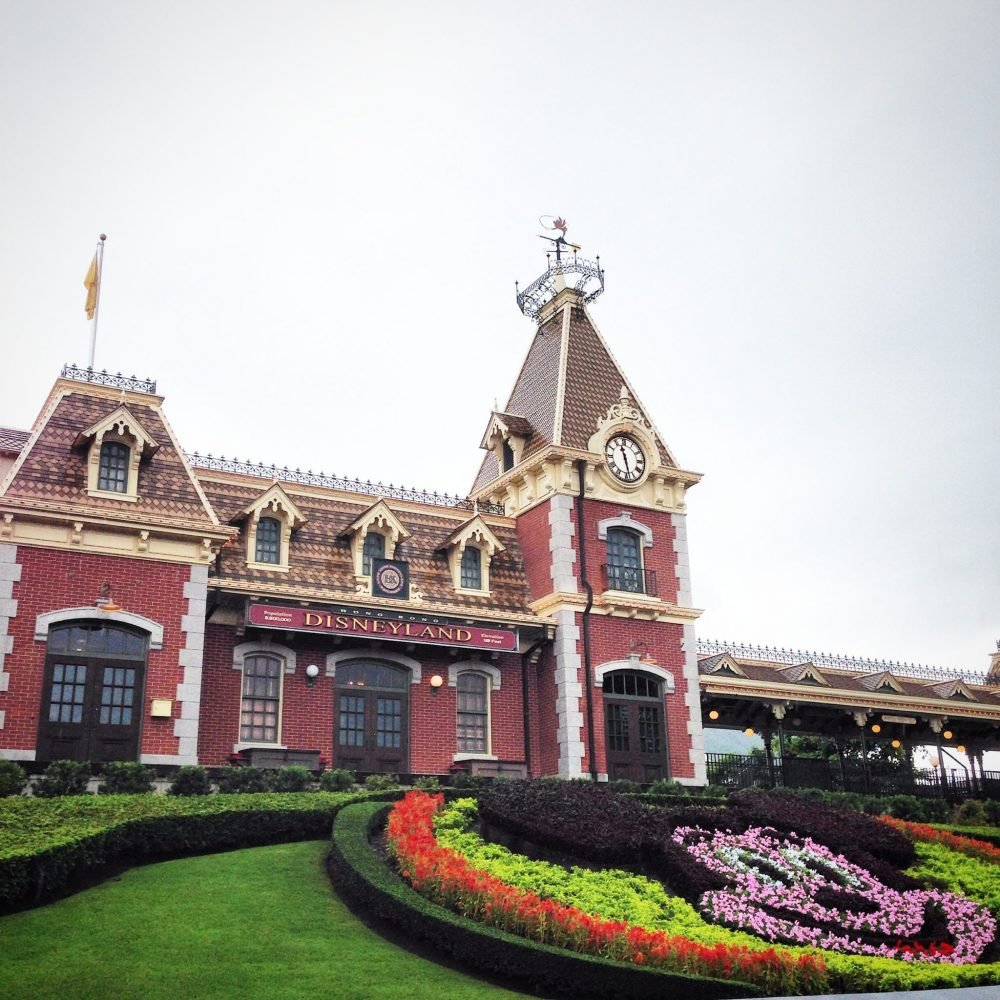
x,y
316,214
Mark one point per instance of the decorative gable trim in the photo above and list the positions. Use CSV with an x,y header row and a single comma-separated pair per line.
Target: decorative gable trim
x,y
882,681
275,503
378,518
722,664
509,429
120,427
477,533
957,689
804,673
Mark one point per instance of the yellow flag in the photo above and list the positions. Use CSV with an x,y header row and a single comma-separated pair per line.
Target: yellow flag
x,y
91,283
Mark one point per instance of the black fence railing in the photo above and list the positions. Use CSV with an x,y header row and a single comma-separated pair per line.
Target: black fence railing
x,y
734,771
630,579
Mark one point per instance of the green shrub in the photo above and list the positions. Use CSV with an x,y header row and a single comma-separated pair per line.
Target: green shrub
x,y
294,778
970,813
381,782
125,777
665,786
337,780
191,779
427,783
63,777
242,779
625,785
464,779
13,778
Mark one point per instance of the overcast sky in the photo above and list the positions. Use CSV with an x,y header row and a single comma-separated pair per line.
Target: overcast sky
x,y
316,213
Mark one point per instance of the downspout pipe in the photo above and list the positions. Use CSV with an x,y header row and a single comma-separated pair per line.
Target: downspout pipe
x,y
581,471
525,662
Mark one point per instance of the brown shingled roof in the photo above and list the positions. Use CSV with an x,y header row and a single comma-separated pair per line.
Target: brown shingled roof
x,y
12,441
54,472
320,562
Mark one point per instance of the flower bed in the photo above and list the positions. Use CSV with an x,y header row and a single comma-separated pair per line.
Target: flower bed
x,y
447,878
925,833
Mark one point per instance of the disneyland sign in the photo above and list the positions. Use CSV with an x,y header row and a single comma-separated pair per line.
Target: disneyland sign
x,y
376,624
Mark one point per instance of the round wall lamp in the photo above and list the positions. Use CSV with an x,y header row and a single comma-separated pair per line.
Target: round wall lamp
x,y
436,681
748,731
896,744
312,672
713,715
876,728
947,734
960,748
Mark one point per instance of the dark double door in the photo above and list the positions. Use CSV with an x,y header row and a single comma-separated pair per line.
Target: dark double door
x,y
635,741
372,717
92,695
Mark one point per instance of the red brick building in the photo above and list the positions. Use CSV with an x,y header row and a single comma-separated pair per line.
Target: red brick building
x,y
170,608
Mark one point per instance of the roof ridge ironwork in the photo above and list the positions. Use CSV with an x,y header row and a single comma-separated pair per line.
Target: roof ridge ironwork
x,y
104,377
837,661
335,482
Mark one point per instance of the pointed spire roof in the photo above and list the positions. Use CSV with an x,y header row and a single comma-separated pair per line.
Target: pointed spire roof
x,y
567,384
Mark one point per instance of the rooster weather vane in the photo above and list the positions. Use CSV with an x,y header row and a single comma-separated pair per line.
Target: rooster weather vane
x,y
563,259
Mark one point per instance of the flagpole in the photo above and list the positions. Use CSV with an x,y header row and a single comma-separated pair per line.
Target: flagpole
x,y
97,298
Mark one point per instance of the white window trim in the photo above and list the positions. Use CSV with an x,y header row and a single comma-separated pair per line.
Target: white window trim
x,y
634,663
625,520
282,653
45,621
367,653
274,503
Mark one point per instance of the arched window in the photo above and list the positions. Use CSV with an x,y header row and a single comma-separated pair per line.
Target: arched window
x,y
508,456
624,566
473,721
112,472
268,547
260,714
472,568
374,549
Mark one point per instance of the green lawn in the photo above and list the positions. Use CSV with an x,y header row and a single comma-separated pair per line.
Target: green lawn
x,y
259,923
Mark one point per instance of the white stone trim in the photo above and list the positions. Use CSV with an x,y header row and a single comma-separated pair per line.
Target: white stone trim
x,y
561,531
191,658
692,699
10,754
366,653
10,573
245,649
169,759
634,663
45,621
569,691
625,520
682,562
474,667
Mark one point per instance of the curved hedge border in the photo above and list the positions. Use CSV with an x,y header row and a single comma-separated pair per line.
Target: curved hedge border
x,y
369,883
48,850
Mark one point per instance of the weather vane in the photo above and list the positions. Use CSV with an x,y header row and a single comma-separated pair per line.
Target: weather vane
x,y
544,287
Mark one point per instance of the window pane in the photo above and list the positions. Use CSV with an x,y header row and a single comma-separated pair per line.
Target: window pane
x,y
472,723
268,541
616,724
624,561
374,549
472,576
112,473
261,699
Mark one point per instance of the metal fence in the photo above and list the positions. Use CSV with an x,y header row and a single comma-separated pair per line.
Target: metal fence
x,y
740,771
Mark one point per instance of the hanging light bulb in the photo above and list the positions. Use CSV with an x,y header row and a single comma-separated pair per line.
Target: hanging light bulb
x,y
713,715
947,734
748,731
876,728
896,744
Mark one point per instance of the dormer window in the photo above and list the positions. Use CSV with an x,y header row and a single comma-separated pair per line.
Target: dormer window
x,y
269,522
115,447
374,535
112,471
472,568
374,548
506,435
470,550
268,541
508,456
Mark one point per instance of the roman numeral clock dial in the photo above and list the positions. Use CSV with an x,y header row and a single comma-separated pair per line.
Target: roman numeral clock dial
x,y
626,459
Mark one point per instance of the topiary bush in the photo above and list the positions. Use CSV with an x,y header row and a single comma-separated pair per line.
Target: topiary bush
x,y
972,812
125,777
191,779
242,779
337,780
13,778
294,778
63,777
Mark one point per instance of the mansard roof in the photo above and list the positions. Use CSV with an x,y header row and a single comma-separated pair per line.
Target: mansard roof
x,y
51,471
320,562
566,386
12,441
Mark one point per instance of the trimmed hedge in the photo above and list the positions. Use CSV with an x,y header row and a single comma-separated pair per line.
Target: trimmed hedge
x,y
49,847
368,882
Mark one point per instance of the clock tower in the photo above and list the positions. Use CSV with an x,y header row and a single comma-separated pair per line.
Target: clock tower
x,y
599,503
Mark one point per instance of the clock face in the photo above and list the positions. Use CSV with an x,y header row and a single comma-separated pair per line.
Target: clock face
x,y
625,457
